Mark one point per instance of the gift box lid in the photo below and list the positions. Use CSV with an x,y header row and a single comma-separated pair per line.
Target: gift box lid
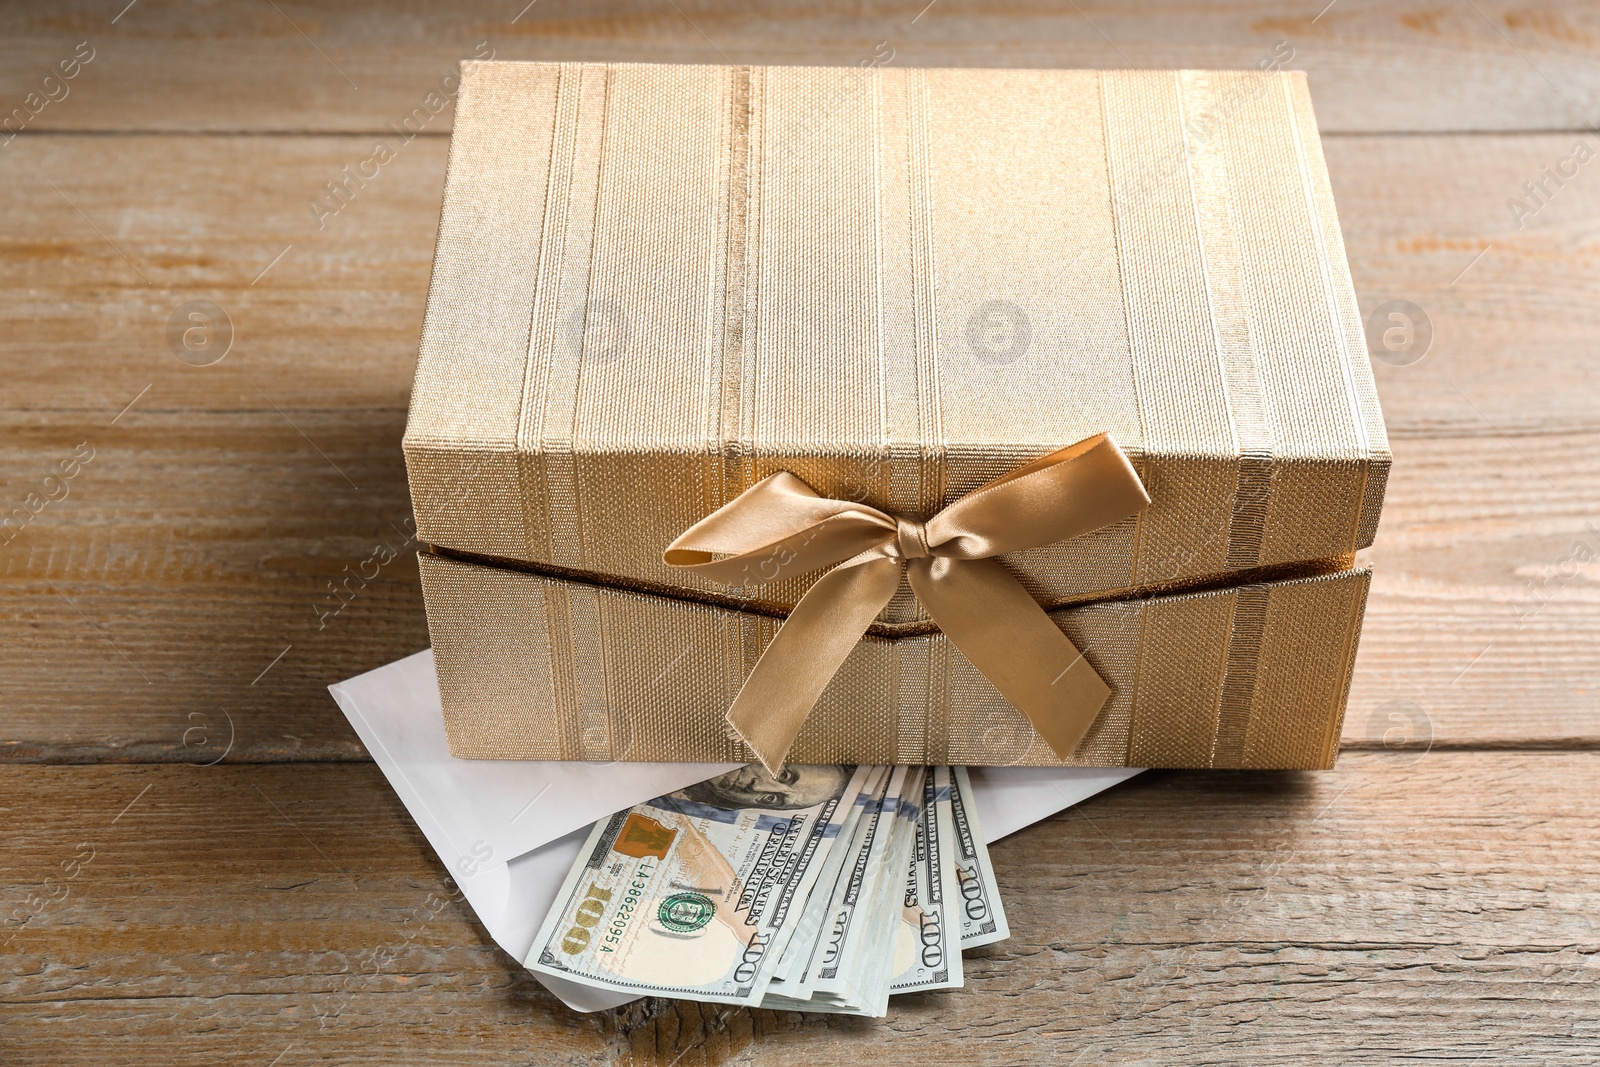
x,y
656,285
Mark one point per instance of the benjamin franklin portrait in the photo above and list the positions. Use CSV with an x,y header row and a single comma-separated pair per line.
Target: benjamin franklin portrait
x,y
752,787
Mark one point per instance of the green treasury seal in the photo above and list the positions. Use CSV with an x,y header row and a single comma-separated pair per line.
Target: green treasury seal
x,y
684,913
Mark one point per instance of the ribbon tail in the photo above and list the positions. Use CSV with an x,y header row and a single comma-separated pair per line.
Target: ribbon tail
x,y
806,652
1006,634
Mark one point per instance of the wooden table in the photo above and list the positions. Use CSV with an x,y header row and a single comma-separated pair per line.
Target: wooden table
x,y
200,864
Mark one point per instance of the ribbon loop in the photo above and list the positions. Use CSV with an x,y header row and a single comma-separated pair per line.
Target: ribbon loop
x,y
780,527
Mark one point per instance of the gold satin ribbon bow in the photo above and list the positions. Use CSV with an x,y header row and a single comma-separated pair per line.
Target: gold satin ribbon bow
x,y
779,527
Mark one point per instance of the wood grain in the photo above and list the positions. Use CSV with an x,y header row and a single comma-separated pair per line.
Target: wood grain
x,y
1433,903
351,67
1435,910
201,540
1510,294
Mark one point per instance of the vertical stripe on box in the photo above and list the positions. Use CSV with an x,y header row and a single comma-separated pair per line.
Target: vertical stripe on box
x,y
588,666
937,738
1203,100
1237,698
925,295
909,659
742,103
1190,450
894,215
563,319
563,680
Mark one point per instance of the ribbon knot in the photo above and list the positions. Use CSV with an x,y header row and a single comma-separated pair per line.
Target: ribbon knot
x,y
910,539
781,528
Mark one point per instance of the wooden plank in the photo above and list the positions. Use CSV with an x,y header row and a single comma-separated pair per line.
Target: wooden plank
x,y
1440,909
200,541
1484,615
354,67
107,239
1505,279
220,509
204,581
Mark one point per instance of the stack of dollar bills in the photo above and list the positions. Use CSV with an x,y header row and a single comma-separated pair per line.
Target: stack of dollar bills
x,y
816,889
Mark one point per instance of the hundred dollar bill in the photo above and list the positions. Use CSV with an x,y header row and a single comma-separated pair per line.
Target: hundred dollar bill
x,y
855,975
849,935
868,990
983,917
695,893
791,971
927,949
797,989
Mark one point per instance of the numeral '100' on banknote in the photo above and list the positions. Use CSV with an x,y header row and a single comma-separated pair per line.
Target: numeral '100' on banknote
x,y
694,894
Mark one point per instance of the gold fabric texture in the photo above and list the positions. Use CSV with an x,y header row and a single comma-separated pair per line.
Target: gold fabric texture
x,y
532,667
656,286
780,525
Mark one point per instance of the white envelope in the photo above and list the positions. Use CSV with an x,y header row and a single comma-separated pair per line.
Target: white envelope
x,y
509,830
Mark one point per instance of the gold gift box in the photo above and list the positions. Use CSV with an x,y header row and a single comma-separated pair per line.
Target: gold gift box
x,y
656,285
